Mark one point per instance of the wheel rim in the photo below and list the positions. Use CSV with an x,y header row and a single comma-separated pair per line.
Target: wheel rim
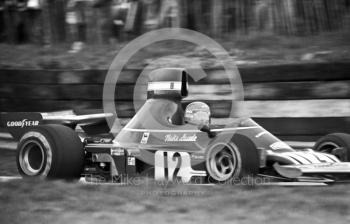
x,y
327,147
222,162
32,158
334,149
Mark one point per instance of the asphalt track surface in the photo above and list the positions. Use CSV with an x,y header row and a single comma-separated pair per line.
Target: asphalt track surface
x,y
30,201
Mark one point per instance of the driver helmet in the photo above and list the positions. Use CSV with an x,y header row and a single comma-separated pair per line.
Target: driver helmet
x,y
197,113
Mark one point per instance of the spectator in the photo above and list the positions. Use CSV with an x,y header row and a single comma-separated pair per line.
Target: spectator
x,y
76,20
34,21
120,10
2,21
105,20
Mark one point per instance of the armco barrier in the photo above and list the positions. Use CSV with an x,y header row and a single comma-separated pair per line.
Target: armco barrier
x,y
50,90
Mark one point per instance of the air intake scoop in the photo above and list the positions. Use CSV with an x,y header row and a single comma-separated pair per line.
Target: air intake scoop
x,y
168,83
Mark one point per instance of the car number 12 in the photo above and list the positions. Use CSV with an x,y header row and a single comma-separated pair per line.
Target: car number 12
x,y
169,165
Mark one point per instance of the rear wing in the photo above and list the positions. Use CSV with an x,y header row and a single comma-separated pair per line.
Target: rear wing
x,y
17,123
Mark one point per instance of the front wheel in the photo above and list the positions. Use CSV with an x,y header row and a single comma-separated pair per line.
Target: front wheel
x,y
50,151
337,144
226,161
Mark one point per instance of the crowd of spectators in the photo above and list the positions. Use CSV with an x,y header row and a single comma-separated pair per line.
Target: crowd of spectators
x,y
78,21
108,21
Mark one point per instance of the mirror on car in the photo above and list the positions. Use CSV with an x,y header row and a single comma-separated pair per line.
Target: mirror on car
x,y
205,128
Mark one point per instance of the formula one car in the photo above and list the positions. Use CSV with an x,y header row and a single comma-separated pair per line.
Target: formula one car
x,y
167,143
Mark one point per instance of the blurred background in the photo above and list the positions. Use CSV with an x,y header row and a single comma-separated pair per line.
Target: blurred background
x,y
104,21
250,29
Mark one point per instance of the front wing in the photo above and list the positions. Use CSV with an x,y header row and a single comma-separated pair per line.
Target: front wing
x,y
296,171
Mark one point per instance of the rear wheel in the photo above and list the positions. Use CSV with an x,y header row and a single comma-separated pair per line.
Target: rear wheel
x,y
52,151
337,144
231,160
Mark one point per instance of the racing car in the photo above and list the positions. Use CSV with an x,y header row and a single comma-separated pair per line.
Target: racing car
x,y
167,142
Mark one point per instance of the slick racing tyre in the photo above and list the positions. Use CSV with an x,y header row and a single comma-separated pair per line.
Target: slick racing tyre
x,y
226,161
50,151
337,144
